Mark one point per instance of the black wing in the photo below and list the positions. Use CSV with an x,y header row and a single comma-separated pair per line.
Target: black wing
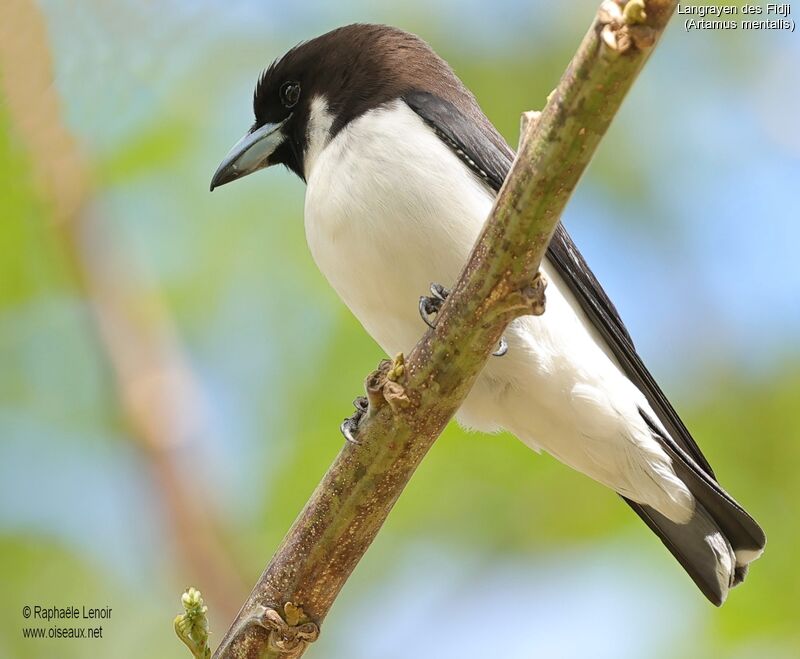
x,y
485,152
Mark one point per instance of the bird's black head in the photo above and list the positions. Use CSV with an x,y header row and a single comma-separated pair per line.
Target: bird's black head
x,y
321,85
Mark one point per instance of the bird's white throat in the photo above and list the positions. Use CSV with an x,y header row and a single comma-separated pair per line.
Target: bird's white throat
x,y
318,133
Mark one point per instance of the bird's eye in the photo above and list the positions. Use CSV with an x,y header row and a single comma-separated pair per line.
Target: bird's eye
x,y
290,94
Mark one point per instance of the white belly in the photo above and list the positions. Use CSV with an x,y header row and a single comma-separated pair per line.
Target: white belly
x,y
390,209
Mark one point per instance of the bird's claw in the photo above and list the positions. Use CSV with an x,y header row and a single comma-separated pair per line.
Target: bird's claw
x,y
432,304
502,348
349,426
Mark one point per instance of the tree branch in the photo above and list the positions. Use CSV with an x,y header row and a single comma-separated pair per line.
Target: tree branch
x,y
409,410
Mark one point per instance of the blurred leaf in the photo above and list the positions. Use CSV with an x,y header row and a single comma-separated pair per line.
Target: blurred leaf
x,y
30,259
155,148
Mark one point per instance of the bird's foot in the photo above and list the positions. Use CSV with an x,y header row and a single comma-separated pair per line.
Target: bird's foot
x,y
432,304
349,426
383,385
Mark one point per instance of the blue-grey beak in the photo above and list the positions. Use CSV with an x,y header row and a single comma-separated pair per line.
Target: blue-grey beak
x,y
250,153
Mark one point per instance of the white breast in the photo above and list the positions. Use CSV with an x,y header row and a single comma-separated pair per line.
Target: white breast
x,y
375,222
390,209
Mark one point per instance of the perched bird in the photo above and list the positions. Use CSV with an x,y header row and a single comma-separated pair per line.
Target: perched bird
x,y
401,168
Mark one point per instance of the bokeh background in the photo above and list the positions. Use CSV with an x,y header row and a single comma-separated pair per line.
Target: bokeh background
x,y
173,368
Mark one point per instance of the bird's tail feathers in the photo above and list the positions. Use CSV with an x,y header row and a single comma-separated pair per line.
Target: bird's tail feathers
x,y
700,547
719,541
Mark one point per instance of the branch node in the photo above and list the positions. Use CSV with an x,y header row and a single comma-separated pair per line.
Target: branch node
x,y
623,26
393,391
396,395
374,388
398,368
534,294
529,299
384,386
609,12
634,12
290,633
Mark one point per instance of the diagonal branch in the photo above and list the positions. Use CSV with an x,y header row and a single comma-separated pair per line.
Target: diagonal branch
x,y
410,406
